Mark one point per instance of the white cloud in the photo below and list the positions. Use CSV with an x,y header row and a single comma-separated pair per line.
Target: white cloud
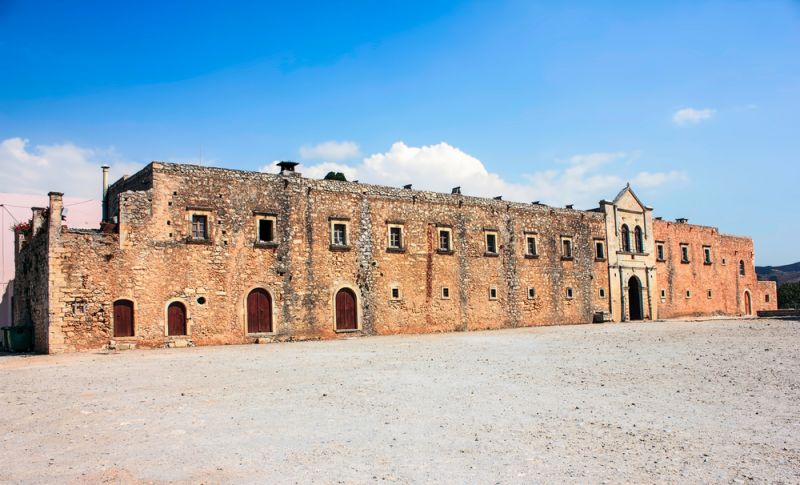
x,y
442,166
62,167
692,116
330,151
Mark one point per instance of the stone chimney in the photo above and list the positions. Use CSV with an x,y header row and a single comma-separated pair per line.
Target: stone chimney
x,y
37,220
287,167
56,208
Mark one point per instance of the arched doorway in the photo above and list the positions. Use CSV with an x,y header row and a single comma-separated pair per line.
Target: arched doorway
x,y
259,311
176,318
635,299
346,314
748,310
123,318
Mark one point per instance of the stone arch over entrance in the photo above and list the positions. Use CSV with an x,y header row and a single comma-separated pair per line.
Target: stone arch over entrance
x,y
635,306
748,303
346,310
176,319
124,320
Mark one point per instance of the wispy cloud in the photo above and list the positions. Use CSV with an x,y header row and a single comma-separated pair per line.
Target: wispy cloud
x,y
583,180
63,167
330,151
686,116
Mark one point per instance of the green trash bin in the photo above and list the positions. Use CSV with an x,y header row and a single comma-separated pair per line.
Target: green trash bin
x,y
19,338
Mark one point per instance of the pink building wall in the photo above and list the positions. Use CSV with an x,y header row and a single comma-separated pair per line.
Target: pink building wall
x,y
81,213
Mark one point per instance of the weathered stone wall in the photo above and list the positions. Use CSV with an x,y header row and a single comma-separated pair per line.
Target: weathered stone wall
x,y
721,277
767,298
31,302
151,263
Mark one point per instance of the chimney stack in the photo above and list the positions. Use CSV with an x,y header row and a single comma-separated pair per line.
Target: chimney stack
x,y
105,193
287,166
456,190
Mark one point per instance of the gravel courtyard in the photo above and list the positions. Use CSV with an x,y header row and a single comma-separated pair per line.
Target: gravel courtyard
x,y
713,401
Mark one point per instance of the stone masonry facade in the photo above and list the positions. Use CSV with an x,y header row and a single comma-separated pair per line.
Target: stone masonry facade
x,y
215,249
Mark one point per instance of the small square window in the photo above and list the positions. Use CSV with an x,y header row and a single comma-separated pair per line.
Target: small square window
x,y
530,247
199,226
396,237
602,292
599,250
766,298
531,293
445,240
663,294
266,230
660,252
688,294
569,293
395,293
708,293
493,293
491,243
445,293
724,261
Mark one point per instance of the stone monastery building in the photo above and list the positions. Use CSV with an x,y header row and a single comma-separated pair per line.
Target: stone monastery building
x,y
198,255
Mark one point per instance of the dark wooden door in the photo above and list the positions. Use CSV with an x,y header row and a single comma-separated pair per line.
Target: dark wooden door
x,y
176,319
259,311
123,318
346,316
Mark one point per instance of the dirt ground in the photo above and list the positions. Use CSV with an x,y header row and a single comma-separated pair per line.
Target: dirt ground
x,y
681,402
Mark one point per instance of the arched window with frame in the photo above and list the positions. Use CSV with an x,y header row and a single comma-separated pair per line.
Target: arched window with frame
x,y
626,238
637,232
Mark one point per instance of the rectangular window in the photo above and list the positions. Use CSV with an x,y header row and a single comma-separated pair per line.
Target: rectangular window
x,y
531,293
706,255
602,293
766,298
492,293
599,250
569,293
445,293
445,243
684,253
491,243
530,247
660,252
199,226
395,293
663,294
339,235
688,294
566,248
396,237
266,230
708,294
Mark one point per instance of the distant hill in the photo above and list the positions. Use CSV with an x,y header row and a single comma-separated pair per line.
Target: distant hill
x,y
789,273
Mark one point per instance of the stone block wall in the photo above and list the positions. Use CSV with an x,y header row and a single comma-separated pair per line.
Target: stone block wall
x,y
684,287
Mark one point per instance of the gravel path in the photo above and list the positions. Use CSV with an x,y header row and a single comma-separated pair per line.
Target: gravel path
x,y
677,402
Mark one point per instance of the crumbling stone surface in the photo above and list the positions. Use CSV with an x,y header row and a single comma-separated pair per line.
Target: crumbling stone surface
x,y
151,261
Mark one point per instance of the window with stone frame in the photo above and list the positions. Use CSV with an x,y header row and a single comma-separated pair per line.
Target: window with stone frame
x,y
445,293
445,239
741,267
708,293
265,228
530,246
566,248
684,253
340,233
638,237
395,235
570,294
531,293
492,292
625,234
706,254
199,227
490,238
599,250
660,255
395,292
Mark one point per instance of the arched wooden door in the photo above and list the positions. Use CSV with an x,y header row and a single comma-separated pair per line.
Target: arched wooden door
x,y
259,311
176,319
748,310
123,318
346,315
635,299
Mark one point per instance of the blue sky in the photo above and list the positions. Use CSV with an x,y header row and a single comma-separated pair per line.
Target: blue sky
x,y
696,103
